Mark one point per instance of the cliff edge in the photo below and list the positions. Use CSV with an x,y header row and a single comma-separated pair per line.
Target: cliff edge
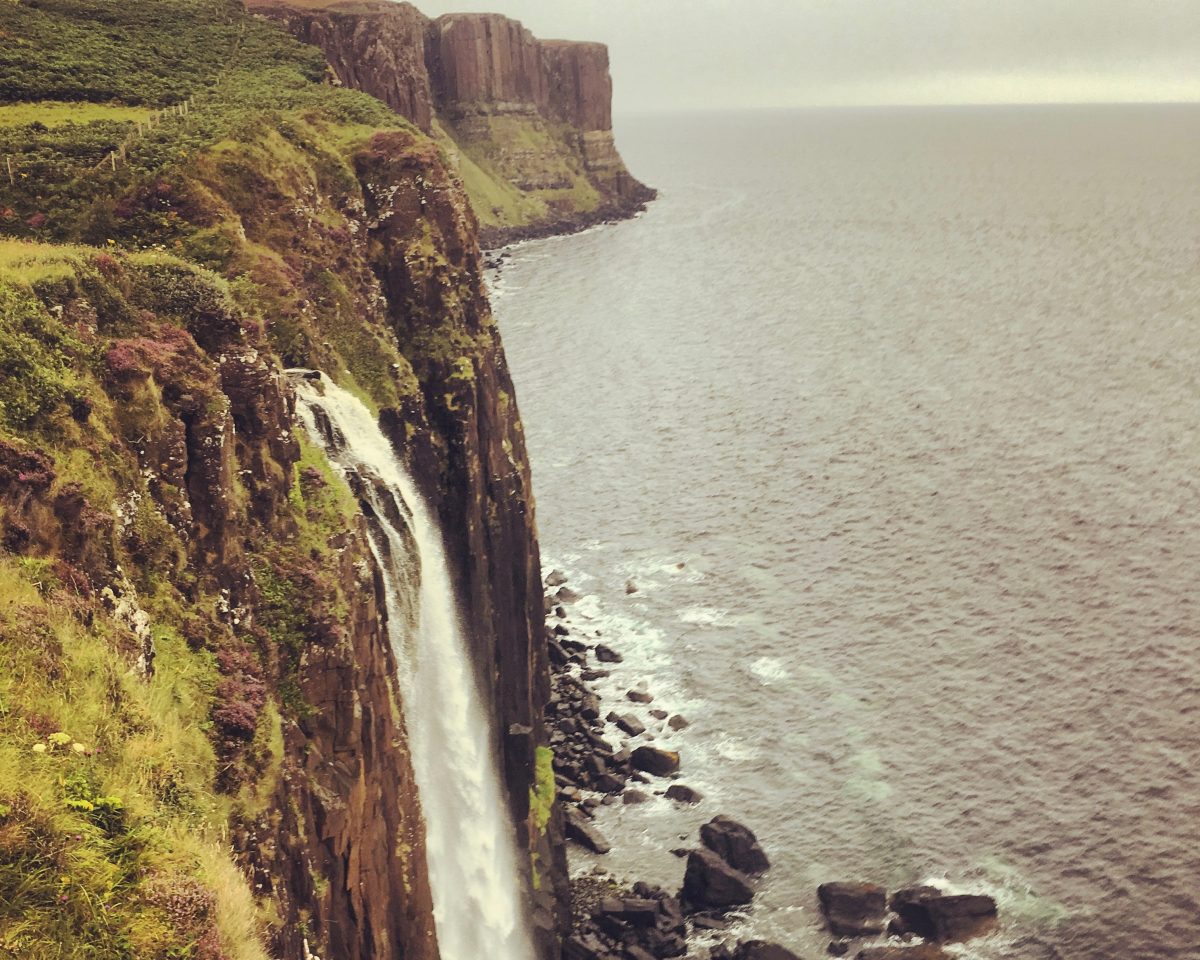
x,y
526,123
205,744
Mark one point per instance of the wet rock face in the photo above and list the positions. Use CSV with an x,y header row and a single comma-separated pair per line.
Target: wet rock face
x,y
468,456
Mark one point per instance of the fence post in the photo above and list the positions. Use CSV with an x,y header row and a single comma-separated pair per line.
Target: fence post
x,y
113,159
11,181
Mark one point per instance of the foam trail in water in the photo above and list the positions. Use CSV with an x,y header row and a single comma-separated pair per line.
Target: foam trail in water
x,y
472,861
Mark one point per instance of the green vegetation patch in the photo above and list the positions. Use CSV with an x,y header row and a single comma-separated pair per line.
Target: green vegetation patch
x,y
55,113
541,794
156,52
39,359
107,816
518,169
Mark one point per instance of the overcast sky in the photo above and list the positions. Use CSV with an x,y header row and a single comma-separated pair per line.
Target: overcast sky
x,y
671,54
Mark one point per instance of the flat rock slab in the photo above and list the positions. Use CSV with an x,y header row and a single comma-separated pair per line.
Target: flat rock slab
x,y
636,912
925,951
761,950
585,833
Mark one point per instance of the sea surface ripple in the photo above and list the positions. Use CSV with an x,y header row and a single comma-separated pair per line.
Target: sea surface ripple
x,y
912,397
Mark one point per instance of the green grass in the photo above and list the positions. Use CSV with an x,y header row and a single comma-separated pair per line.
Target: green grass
x,y
39,357
111,809
27,262
106,801
113,58
152,53
56,113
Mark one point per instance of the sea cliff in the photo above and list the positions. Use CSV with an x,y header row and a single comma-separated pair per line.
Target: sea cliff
x,y
527,123
204,743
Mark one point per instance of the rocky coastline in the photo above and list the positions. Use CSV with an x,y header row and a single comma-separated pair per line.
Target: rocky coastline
x,y
626,208
613,918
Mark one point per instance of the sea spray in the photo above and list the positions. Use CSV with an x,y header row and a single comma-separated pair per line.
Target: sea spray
x,y
472,863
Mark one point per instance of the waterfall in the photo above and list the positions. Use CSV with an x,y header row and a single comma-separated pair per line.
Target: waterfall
x,y
471,853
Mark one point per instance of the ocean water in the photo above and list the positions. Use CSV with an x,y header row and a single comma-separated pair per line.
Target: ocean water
x,y
891,417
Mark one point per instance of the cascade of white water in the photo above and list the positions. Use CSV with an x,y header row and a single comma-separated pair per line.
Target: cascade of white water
x,y
471,855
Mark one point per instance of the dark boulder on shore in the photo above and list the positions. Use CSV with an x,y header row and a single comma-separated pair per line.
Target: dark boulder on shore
x,y
653,760
736,844
710,882
639,696
853,909
942,917
606,654
556,578
684,794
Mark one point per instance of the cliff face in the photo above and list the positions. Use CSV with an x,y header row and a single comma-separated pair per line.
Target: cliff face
x,y
193,594
379,51
580,84
527,122
474,467
485,60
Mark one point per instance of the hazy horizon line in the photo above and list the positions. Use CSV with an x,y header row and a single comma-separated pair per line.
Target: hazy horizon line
x,y
914,105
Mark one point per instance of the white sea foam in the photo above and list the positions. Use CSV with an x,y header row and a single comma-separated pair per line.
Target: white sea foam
x,y
701,616
769,670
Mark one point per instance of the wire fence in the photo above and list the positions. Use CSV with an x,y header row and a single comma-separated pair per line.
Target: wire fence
x,y
19,166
